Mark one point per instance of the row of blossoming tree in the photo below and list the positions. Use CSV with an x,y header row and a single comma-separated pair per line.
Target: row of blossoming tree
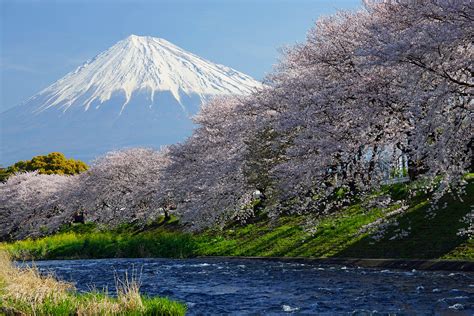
x,y
366,89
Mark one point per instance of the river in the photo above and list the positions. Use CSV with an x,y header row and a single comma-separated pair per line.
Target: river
x,y
217,286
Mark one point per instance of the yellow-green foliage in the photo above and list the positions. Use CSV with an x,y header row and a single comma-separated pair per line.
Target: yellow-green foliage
x,y
96,244
26,292
53,163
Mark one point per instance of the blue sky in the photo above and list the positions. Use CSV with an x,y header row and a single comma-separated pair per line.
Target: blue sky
x,y
41,41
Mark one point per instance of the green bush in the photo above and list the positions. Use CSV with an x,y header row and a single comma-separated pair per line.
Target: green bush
x,y
53,163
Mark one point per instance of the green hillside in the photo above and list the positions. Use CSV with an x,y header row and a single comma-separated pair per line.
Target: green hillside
x,y
341,234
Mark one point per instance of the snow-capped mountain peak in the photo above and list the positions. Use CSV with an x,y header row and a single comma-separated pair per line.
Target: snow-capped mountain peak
x,y
140,92
142,64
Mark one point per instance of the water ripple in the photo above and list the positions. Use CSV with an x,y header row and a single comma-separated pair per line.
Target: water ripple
x,y
216,286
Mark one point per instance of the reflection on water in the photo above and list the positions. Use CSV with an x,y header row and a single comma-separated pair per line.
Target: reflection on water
x,y
217,286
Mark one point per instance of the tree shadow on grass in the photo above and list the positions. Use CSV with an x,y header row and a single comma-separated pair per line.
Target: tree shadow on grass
x,y
255,240
319,248
266,244
428,238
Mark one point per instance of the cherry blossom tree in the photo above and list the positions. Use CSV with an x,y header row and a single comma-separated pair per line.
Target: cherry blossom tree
x,y
428,45
33,204
389,81
205,177
122,186
342,111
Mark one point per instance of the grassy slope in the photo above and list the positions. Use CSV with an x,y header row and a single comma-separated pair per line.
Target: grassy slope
x,y
336,235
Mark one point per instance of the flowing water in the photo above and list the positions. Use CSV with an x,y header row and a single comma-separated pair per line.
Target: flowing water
x,y
235,286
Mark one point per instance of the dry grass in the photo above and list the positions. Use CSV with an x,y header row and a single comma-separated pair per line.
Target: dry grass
x,y
28,286
24,291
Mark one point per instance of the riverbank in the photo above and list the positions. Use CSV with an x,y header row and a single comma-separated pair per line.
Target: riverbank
x,y
24,291
357,231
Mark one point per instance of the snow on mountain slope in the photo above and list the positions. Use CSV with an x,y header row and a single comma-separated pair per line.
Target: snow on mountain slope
x,y
140,92
144,63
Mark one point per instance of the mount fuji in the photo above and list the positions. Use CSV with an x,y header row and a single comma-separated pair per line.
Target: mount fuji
x,y
140,92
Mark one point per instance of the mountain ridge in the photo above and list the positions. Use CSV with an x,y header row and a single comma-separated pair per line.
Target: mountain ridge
x,y
142,91
122,68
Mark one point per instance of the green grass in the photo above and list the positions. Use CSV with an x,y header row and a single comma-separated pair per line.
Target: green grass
x,y
73,302
338,235
287,237
335,235
96,244
428,237
462,252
